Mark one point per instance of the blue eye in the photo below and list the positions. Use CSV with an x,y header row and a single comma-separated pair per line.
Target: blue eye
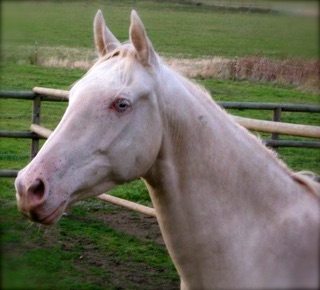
x,y
120,105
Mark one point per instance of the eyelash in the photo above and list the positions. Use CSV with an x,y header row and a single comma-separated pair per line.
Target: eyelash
x,y
120,105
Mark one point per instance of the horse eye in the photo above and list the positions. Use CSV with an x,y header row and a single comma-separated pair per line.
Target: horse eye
x,y
120,105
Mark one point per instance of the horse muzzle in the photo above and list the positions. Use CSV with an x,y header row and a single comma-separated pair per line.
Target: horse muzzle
x,y
35,202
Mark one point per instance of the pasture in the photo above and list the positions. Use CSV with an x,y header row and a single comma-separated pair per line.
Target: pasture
x,y
177,29
99,246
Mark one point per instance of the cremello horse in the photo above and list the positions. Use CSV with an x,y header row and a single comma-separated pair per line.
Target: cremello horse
x,y
231,214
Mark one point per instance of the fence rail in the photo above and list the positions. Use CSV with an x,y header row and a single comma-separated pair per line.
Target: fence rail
x,y
270,106
31,95
45,94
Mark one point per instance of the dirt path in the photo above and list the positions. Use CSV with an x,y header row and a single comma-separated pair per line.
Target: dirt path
x,y
125,275
134,224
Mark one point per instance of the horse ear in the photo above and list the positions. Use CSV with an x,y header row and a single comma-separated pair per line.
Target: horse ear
x,y
140,40
104,39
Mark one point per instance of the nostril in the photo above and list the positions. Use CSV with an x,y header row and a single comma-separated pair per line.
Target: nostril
x,y
36,190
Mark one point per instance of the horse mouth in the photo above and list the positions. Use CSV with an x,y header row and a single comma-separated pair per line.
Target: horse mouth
x,y
53,216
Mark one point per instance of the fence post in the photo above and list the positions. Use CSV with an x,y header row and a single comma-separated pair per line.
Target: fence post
x,y
276,118
36,110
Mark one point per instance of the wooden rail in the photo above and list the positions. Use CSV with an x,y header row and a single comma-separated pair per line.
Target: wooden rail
x,y
270,106
279,127
44,94
41,131
39,94
128,204
53,93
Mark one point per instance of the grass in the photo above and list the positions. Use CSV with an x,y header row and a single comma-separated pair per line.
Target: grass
x,y
222,90
304,75
247,91
174,29
33,256
69,255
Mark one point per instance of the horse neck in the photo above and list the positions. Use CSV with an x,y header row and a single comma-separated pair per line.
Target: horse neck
x,y
212,182
205,153
216,188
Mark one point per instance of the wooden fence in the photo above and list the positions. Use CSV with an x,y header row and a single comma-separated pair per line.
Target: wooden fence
x,y
43,94
275,127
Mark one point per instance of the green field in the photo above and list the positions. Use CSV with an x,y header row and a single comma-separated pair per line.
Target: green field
x,y
83,251
175,29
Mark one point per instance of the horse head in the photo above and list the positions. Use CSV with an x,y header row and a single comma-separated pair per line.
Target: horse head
x,y
110,133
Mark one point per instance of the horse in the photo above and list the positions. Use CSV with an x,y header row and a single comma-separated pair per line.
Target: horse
x,y
232,214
